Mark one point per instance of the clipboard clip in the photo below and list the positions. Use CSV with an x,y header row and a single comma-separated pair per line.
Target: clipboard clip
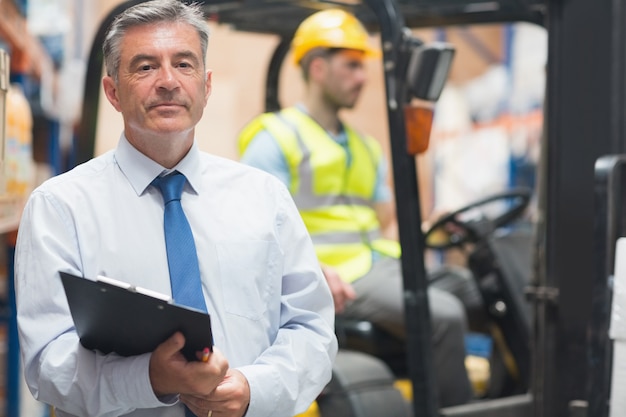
x,y
135,289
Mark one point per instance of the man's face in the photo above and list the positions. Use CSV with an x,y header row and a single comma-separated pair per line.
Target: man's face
x,y
162,85
344,78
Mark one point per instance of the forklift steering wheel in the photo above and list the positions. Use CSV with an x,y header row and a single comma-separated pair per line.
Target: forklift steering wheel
x,y
454,230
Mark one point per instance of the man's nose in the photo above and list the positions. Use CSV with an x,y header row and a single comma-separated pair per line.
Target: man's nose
x,y
167,78
362,75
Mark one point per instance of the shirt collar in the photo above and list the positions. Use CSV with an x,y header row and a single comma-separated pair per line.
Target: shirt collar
x,y
141,170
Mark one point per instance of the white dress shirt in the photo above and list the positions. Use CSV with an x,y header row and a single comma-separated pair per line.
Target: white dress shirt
x,y
272,313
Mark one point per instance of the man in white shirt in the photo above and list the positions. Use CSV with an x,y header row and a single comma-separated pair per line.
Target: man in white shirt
x,y
271,309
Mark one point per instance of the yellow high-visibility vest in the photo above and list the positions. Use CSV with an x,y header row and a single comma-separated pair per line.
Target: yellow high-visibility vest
x,y
334,198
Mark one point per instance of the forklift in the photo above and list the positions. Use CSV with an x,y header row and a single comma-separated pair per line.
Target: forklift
x,y
565,344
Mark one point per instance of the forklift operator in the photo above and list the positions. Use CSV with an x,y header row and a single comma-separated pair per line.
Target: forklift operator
x,y
338,178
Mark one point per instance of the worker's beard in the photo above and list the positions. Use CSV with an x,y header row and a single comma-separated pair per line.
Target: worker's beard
x,y
346,100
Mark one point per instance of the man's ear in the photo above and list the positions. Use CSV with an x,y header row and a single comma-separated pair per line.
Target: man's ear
x,y
317,67
110,90
208,86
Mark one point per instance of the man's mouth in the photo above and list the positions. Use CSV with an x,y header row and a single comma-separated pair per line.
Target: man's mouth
x,y
166,104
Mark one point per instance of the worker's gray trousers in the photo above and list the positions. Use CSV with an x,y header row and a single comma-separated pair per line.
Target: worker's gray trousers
x,y
380,301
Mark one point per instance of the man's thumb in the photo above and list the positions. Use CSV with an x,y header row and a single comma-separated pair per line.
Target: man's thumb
x,y
173,345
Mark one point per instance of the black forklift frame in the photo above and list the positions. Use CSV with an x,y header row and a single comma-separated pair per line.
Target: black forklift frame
x,y
584,106
609,226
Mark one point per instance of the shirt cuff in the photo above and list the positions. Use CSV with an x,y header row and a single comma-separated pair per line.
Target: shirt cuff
x,y
264,390
138,389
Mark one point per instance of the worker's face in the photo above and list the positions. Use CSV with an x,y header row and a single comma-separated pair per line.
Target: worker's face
x,y
344,78
162,86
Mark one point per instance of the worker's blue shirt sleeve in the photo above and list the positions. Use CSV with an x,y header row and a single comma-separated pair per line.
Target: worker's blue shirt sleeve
x,y
382,192
264,153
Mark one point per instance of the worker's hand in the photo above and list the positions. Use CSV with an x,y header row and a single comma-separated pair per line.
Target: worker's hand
x,y
171,373
229,399
342,291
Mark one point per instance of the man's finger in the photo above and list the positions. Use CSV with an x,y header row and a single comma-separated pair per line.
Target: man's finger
x,y
172,345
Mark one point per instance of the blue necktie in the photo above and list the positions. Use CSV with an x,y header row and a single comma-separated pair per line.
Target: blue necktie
x,y
182,258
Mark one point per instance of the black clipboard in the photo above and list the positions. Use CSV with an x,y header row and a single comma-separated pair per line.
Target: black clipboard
x,y
113,316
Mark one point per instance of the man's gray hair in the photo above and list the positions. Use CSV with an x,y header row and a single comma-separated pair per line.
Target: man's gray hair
x,y
154,11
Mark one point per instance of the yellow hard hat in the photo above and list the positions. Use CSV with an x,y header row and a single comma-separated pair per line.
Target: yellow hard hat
x,y
330,28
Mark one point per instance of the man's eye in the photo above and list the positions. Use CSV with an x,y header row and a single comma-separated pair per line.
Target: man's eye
x,y
145,67
184,65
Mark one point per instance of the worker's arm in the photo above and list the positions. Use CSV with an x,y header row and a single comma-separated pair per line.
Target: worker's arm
x,y
384,203
57,369
386,213
341,291
264,153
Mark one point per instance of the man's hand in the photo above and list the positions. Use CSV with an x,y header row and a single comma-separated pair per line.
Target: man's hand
x,y
171,373
341,291
229,399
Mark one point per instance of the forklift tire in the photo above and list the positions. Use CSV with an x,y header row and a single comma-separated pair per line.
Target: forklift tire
x,y
361,386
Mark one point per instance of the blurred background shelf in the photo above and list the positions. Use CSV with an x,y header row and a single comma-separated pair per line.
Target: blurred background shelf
x,y
28,55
